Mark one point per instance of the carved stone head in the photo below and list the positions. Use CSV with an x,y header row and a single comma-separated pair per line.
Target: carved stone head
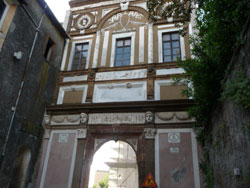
x,y
46,119
83,118
149,117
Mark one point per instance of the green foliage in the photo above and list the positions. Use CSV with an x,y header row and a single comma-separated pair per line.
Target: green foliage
x,y
179,10
207,170
238,90
246,180
219,23
246,126
104,183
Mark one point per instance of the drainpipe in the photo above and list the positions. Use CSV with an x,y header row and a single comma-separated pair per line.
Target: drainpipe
x,y
23,78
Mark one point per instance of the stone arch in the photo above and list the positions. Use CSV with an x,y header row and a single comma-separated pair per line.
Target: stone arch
x,y
124,163
118,10
22,164
99,145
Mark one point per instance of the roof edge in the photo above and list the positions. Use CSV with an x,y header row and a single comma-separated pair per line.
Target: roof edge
x,y
52,17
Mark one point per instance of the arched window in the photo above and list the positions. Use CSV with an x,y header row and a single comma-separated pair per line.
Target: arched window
x,y
115,165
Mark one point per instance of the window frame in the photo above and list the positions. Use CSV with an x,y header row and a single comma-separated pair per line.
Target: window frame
x,y
4,14
123,46
132,48
160,44
80,55
50,51
171,47
72,53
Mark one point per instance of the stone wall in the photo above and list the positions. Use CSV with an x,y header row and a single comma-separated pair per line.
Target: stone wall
x,y
38,90
229,148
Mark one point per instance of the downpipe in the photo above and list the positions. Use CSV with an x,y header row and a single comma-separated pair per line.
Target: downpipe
x,y
14,109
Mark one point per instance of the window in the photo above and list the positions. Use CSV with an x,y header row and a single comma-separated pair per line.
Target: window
x,y
48,49
2,8
171,47
80,56
123,51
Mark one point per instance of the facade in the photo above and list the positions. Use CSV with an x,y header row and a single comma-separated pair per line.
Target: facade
x,y
31,48
117,84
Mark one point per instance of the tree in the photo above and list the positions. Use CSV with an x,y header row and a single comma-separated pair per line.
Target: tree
x,y
104,183
219,23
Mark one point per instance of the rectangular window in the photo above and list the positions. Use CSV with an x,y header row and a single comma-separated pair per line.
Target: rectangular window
x,y
2,8
80,56
122,52
171,47
48,49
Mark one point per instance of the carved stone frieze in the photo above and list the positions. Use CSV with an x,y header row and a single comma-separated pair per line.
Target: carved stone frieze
x,y
75,119
117,118
84,21
172,117
121,75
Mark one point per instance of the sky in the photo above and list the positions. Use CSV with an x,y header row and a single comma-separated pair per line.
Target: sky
x,y
59,8
100,157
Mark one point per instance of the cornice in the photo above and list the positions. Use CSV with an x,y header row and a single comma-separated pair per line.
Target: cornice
x,y
137,106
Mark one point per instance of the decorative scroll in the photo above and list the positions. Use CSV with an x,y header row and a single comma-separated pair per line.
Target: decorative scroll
x,y
84,21
125,20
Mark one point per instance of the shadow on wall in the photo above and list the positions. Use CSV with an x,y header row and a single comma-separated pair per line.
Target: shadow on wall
x,y
21,168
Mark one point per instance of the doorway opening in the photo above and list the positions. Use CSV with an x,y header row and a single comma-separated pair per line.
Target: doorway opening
x,y
114,165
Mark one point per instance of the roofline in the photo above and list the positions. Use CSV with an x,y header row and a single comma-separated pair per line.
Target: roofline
x,y
74,3
52,17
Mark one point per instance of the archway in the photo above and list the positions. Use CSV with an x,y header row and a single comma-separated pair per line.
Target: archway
x,y
115,164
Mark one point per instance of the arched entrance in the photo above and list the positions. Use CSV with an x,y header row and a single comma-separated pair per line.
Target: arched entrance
x,y
115,164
